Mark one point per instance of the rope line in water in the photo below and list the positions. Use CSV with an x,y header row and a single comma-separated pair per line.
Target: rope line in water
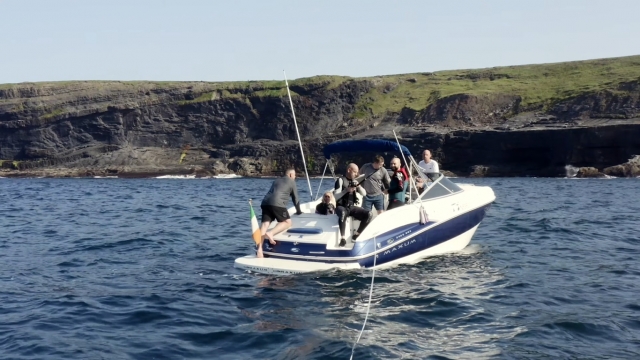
x,y
373,275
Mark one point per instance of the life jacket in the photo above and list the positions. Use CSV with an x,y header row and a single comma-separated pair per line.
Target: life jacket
x,y
404,172
348,199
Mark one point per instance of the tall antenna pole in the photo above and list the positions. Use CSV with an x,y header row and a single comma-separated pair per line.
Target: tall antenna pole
x,y
295,123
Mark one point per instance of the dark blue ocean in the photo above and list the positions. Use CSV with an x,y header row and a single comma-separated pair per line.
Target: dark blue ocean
x,y
143,269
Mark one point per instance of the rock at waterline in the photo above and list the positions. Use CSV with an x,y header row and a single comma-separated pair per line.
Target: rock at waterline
x,y
629,169
589,172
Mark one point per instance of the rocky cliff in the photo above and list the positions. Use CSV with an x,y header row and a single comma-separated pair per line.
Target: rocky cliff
x,y
516,121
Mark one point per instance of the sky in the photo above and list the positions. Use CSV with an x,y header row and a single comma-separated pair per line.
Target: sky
x,y
237,40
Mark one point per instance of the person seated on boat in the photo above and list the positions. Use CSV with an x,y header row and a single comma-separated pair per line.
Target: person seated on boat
x,y
420,185
345,190
328,204
274,207
376,179
427,164
398,185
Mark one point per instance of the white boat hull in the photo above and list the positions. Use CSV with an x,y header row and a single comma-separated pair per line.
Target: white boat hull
x,y
278,266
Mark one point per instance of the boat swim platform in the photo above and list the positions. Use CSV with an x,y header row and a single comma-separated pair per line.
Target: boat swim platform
x,y
276,266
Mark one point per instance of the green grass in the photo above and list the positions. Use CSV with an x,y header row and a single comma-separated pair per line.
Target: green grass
x,y
281,92
19,107
208,96
226,94
329,81
14,163
36,84
266,88
539,86
277,93
536,84
52,114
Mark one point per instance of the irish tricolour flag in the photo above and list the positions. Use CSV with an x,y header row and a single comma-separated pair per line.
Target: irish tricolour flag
x,y
255,229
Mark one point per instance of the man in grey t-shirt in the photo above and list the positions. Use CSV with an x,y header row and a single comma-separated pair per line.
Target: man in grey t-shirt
x,y
274,207
376,176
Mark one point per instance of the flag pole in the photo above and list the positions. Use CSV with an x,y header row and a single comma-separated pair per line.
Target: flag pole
x,y
255,229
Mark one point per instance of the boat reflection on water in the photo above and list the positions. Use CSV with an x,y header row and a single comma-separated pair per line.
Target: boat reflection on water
x,y
440,306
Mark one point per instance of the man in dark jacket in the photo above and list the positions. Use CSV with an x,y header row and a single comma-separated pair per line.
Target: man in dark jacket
x,y
345,193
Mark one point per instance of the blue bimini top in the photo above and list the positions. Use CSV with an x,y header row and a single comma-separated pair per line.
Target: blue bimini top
x,y
363,145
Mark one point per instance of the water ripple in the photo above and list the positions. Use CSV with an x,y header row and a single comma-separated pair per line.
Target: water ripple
x,y
140,268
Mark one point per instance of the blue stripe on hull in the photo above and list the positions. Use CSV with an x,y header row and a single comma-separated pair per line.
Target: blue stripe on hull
x,y
430,238
413,243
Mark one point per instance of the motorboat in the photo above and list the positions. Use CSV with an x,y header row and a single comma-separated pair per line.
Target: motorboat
x,y
439,217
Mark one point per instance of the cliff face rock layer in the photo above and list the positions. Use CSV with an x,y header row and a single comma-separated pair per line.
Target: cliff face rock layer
x,y
515,121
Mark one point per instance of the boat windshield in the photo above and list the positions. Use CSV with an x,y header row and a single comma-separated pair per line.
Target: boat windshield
x,y
441,186
450,185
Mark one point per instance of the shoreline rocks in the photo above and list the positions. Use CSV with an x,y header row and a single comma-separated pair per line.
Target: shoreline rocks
x,y
589,172
629,169
145,129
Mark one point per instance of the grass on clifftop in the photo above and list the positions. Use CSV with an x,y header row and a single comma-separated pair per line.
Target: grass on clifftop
x,y
536,84
541,85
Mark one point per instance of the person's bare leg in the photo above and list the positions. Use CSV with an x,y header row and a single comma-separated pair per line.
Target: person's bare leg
x,y
259,253
263,229
264,226
280,227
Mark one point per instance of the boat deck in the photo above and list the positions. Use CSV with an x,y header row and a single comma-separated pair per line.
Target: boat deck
x,y
317,229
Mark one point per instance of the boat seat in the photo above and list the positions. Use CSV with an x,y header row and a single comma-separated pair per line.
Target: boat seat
x,y
305,230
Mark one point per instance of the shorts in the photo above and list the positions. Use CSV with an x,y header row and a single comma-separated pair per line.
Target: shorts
x,y
376,200
270,212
